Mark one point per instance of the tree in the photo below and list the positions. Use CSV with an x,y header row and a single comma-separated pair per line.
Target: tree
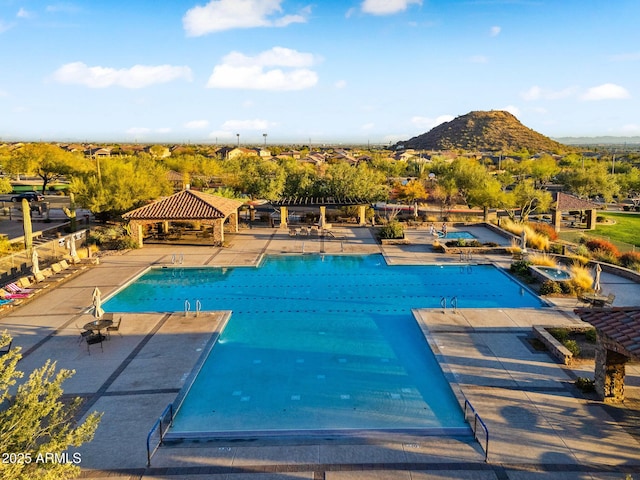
x,y
343,180
594,179
35,421
526,199
48,162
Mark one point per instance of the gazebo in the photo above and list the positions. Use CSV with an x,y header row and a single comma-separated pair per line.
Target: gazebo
x,y
186,206
566,203
618,341
322,203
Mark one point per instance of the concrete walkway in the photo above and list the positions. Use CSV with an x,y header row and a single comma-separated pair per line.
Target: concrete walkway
x,y
540,425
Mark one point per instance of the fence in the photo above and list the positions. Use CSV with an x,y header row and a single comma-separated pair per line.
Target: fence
x,y
49,251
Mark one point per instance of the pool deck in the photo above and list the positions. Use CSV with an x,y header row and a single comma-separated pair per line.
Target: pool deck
x,y
539,424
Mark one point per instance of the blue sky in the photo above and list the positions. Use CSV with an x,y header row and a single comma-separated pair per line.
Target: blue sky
x,y
362,71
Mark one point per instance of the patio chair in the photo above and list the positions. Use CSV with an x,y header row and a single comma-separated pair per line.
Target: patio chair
x,y
606,302
115,327
93,339
83,333
14,288
6,349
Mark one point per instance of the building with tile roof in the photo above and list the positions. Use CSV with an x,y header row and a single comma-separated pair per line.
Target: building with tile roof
x,y
567,203
618,341
186,206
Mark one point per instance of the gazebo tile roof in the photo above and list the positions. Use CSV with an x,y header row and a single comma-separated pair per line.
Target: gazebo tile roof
x,y
621,324
319,201
186,205
566,202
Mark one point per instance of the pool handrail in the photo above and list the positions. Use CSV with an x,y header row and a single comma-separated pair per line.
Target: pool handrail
x,y
476,419
158,425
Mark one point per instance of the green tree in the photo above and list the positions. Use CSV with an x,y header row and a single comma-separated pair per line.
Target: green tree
x,y
343,180
48,162
594,179
35,421
526,199
542,169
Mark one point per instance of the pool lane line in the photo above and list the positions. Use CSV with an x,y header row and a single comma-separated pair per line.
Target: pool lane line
x,y
84,408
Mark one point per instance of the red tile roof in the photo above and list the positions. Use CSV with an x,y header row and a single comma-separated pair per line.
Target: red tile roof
x,y
566,202
620,324
186,205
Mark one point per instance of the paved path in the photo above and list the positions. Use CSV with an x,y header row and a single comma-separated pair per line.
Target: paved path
x,y
540,425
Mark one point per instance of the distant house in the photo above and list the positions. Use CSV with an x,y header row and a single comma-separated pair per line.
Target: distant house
x,y
314,158
98,152
241,151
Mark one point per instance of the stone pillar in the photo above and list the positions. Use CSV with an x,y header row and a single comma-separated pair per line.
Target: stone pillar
x,y
165,227
136,232
284,214
233,221
361,213
610,372
556,219
218,232
323,218
591,219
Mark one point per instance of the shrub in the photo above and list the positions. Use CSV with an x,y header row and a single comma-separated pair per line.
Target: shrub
x,y
585,384
582,251
569,288
630,258
605,256
537,240
392,230
542,259
572,346
560,334
545,229
579,260
601,219
556,248
590,335
581,278
598,244
550,288
520,267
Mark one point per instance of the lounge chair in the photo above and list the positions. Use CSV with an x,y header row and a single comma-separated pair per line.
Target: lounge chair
x,y
6,349
14,288
606,302
9,295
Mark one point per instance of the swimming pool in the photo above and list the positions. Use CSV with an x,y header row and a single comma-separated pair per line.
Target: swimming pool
x,y
320,343
459,234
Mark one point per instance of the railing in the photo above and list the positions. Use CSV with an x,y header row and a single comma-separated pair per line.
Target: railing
x,y
160,427
198,307
476,419
187,307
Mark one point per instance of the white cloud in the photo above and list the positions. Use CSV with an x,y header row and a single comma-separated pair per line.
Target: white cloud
x,y
426,123
478,59
538,93
196,124
513,110
495,31
340,84
387,7
163,130
240,71
138,131
4,26
625,57
607,91
631,129
219,15
23,13
138,76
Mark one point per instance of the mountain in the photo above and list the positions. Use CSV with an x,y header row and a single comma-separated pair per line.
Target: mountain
x,y
609,140
494,130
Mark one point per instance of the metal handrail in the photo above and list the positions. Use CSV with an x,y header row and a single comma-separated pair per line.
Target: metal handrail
x,y
156,426
187,307
476,419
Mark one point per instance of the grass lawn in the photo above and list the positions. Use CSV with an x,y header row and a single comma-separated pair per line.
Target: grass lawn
x,y
624,233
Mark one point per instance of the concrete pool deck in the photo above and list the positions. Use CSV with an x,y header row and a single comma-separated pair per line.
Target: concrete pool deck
x,y
539,424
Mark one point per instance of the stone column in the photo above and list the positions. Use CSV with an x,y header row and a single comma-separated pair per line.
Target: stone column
x,y
361,213
218,232
284,214
323,218
136,232
610,372
556,219
233,221
591,219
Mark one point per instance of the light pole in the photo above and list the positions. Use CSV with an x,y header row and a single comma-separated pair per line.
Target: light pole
x,y
265,139
238,135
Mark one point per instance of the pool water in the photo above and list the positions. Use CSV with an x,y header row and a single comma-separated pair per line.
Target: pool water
x,y
320,343
460,234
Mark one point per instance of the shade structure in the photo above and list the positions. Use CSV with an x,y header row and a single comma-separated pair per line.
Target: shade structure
x,y
596,281
97,303
35,263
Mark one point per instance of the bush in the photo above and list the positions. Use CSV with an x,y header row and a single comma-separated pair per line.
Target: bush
x,y
392,230
520,267
581,278
585,384
542,259
545,229
572,346
550,288
560,334
630,258
598,244
605,256
590,335
601,219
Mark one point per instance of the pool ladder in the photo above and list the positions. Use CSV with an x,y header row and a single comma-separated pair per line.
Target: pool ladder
x,y
187,307
453,302
179,259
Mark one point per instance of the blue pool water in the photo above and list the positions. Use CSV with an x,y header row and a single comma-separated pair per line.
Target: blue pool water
x,y
460,234
320,342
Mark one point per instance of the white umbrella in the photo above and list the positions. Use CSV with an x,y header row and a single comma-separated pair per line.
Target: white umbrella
x,y
72,249
35,263
596,282
97,303
524,240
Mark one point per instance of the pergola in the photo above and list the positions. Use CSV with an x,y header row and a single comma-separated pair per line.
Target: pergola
x,y
186,206
322,203
566,203
618,341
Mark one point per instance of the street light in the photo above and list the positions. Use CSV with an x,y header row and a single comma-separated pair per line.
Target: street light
x,y
238,135
265,139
